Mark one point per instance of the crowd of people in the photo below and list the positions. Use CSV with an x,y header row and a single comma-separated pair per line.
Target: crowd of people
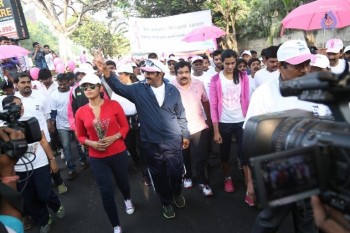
x,y
166,114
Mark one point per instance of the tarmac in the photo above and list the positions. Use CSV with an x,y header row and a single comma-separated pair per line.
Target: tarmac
x,y
221,213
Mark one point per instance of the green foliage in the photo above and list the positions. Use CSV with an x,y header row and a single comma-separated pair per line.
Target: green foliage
x,y
39,32
95,35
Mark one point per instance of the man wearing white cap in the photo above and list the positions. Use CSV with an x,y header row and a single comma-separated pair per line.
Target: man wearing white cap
x,y
320,63
164,131
347,53
294,59
334,53
246,55
198,72
171,66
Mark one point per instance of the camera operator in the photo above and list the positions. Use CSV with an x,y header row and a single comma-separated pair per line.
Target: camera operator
x,y
10,200
294,59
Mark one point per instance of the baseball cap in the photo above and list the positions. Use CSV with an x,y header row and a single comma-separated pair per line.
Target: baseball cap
x,y
334,45
320,61
172,58
294,52
196,58
125,69
347,49
246,52
90,78
86,68
152,65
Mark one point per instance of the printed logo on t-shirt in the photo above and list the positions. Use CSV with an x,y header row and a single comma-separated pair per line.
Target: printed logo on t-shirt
x,y
37,107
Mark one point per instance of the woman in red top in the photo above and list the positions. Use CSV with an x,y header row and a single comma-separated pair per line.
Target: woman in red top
x,y
102,126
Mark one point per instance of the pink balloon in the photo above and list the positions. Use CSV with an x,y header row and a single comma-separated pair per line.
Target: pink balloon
x,y
57,61
34,72
60,68
71,65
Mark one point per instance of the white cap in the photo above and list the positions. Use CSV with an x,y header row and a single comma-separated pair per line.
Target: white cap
x,y
153,65
294,52
90,78
196,58
172,58
320,61
347,48
246,52
86,68
125,69
334,45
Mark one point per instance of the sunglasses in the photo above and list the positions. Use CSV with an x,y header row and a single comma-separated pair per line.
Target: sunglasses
x,y
91,86
151,64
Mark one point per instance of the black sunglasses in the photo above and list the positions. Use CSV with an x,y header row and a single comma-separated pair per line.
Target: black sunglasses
x,y
86,87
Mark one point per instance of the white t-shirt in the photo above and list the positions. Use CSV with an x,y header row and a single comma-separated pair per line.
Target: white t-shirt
x,y
211,72
169,77
36,106
267,99
40,158
338,69
49,61
128,107
263,75
59,102
205,78
231,101
159,92
251,85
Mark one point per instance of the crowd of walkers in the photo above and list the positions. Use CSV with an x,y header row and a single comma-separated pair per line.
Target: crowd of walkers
x,y
166,114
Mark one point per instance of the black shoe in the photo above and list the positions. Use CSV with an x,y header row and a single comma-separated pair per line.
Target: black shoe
x,y
179,201
83,165
71,175
168,211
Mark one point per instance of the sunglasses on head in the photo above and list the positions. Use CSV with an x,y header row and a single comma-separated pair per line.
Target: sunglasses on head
x,y
151,64
87,86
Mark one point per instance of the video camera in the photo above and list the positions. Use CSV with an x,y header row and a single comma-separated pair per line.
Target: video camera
x,y
294,154
31,129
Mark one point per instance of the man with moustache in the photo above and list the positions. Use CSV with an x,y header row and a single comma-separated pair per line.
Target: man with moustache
x,y
334,53
217,62
254,65
163,129
194,99
271,71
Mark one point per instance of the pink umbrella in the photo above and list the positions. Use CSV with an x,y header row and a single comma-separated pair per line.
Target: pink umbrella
x,y
204,33
7,51
321,14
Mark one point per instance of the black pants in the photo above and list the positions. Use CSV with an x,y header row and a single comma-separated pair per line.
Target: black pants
x,y
270,219
166,166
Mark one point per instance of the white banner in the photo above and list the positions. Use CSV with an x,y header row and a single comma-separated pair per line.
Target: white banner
x,y
164,35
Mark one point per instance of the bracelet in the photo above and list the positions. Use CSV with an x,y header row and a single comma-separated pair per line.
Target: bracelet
x,y
8,179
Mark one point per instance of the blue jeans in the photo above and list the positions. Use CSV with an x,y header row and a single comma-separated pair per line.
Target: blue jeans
x,y
66,138
104,169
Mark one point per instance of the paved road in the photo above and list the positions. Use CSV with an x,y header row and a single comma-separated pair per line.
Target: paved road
x,y
222,213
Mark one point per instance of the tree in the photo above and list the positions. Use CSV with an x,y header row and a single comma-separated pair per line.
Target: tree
x,y
226,14
95,35
40,33
59,12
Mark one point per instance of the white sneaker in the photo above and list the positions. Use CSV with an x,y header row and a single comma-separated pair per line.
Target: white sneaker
x,y
129,207
188,183
206,190
62,155
118,229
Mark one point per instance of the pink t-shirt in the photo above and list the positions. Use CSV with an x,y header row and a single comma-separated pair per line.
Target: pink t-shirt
x,y
192,99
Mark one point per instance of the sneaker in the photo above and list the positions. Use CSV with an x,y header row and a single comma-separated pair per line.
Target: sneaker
x,y
117,229
206,190
180,201
129,207
83,165
71,175
47,227
249,200
187,183
61,212
168,211
62,189
228,185
62,155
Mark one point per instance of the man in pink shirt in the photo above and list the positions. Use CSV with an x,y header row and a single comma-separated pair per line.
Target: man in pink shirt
x,y
194,100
